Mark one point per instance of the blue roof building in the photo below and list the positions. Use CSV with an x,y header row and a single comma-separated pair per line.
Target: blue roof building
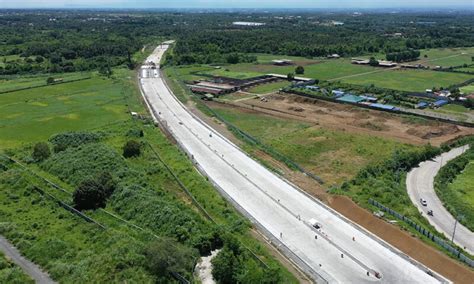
x,y
440,103
422,105
385,107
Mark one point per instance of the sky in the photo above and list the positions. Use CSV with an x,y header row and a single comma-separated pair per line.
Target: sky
x,y
235,3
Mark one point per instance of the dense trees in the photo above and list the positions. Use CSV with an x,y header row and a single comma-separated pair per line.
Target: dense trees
x,y
166,256
93,193
131,149
373,61
299,70
407,55
229,266
41,152
66,42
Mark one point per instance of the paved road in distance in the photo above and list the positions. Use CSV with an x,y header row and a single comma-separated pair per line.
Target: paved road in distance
x,y
420,185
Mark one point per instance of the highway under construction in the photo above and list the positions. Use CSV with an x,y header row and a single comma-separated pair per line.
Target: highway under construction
x,y
324,244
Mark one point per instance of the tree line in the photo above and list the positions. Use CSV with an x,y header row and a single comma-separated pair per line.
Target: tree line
x,y
403,56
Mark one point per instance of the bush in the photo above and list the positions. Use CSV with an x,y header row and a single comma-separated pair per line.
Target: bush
x,y
63,141
90,194
234,264
50,80
41,152
167,256
299,70
131,149
93,193
85,162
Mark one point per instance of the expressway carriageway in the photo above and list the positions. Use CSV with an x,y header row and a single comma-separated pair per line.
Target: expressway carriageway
x,y
339,252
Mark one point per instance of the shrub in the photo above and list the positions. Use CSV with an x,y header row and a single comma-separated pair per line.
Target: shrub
x,y
41,152
89,194
50,80
63,141
299,70
167,256
131,149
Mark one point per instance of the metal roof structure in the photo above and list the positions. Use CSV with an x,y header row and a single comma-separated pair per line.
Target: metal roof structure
x,y
350,98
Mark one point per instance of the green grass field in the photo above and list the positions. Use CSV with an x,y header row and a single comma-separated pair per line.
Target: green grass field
x,y
334,155
409,80
33,115
454,185
267,58
269,88
463,185
12,273
8,83
447,57
325,70
467,89
68,247
342,70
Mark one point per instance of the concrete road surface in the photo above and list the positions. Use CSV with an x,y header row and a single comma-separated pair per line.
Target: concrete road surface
x,y
338,252
28,267
420,185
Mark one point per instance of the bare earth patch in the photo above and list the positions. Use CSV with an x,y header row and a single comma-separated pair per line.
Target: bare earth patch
x,y
353,119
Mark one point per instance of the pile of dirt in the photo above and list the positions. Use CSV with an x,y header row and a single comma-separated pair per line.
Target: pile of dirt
x,y
428,132
372,125
296,109
342,117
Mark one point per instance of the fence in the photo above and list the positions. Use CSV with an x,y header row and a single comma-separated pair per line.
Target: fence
x,y
439,241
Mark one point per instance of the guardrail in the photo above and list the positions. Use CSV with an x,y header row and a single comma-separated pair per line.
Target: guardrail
x,y
425,232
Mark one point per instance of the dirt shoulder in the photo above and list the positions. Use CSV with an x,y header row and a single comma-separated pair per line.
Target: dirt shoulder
x,y
403,241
